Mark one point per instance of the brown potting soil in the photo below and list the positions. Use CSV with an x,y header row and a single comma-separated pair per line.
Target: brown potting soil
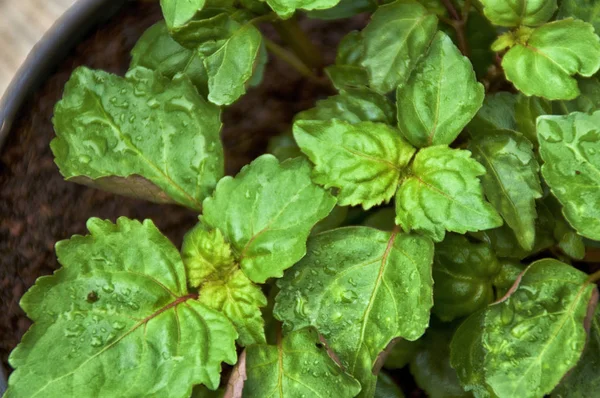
x,y
38,208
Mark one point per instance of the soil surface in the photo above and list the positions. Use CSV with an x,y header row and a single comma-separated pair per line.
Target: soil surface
x,y
38,208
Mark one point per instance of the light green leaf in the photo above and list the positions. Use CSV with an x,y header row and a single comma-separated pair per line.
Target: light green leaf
x,y
497,112
441,96
543,63
387,388
431,365
240,300
118,320
511,182
266,213
353,105
527,110
206,255
207,30
347,70
463,273
364,160
297,366
442,192
360,288
570,148
518,12
586,10
178,12
397,36
528,340
232,66
286,8
157,50
344,9
143,136
585,378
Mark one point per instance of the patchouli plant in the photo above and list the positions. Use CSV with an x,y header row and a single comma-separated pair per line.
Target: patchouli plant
x,y
440,212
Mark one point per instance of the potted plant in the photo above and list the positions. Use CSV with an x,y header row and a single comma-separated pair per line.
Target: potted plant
x,y
300,278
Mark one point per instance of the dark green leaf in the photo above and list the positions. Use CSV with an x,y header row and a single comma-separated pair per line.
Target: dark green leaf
x,y
347,70
480,36
360,288
143,333
497,112
266,213
401,353
345,9
143,136
527,110
586,10
364,160
387,388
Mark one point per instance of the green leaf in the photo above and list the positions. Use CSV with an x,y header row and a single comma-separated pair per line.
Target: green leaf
x,y
157,50
589,100
240,300
387,388
570,148
585,377
442,192
431,365
402,352
266,213
397,36
344,9
360,288
527,110
480,36
347,70
565,236
120,135
524,344
353,105
364,160
297,366
463,273
231,68
518,12
382,218
511,182
286,8
586,10
284,146
497,112
178,12
117,319
441,96
543,64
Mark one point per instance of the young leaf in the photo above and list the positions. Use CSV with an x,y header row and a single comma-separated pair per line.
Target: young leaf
x,y
527,110
353,105
544,61
395,39
117,319
570,148
585,378
497,112
143,136
518,12
157,50
524,344
178,12
360,288
286,8
298,366
347,70
442,192
511,182
463,273
441,96
586,10
364,160
431,365
266,213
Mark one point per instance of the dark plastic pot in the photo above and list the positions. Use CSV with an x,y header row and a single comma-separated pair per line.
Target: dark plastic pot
x,y
67,32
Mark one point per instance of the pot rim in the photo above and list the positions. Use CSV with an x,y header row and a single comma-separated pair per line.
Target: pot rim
x,y
41,61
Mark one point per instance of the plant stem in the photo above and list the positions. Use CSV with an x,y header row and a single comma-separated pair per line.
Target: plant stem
x,y
593,278
458,22
291,59
294,36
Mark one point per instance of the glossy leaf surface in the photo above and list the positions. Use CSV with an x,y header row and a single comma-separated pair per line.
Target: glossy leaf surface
x,y
443,192
518,12
364,160
117,319
441,96
286,8
570,148
266,213
360,288
144,136
178,12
